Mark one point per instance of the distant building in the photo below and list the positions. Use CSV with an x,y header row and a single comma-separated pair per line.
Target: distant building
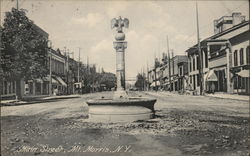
x,y
159,76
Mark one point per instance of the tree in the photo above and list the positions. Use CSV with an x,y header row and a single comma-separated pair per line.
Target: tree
x,y
140,82
24,53
108,79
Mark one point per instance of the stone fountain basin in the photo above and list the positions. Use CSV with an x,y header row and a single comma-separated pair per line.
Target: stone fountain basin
x,y
121,110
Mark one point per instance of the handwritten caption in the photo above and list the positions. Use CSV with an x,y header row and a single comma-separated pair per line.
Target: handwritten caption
x,y
77,148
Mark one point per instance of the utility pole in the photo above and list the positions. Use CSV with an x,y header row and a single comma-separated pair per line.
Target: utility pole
x,y
147,77
155,74
172,53
169,66
17,5
199,53
78,72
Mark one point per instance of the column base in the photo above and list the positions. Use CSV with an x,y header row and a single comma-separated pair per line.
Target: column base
x,y
120,94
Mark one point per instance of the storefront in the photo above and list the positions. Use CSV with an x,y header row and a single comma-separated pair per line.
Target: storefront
x,y
242,82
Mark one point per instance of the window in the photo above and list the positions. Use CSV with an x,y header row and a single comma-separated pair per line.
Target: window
x,y
241,56
190,64
248,55
236,58
180,71
206,60
198,62
194,82
193,63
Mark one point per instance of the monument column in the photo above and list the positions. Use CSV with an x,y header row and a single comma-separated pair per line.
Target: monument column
x,y
120,64
120,45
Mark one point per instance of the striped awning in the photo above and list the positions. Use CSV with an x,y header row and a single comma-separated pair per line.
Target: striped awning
x,y
61,81
211,76
244,73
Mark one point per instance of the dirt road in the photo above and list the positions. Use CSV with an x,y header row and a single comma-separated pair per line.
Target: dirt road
x,y
184,125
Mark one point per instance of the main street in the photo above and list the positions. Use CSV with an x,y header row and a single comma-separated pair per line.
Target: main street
x,y
184,125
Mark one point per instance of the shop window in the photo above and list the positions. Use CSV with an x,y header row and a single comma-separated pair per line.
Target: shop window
x,y
5,87
243,83
13,87
198,80
241,57
236,82
236,58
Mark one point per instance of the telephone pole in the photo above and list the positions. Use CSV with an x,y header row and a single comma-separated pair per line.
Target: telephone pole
x,y
172,53
147,77
199,53
17,5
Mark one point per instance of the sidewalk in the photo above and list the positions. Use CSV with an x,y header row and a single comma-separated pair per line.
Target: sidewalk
x,y
230,96
34,99
215,95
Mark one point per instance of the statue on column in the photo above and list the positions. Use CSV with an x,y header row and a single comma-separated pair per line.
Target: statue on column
x,y
120,45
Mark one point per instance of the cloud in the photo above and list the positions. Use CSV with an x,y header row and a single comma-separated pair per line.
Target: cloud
x,y
115,8
185,38
103,54
91,19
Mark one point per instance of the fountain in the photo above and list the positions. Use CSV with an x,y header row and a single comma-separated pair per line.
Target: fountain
x,y
121,108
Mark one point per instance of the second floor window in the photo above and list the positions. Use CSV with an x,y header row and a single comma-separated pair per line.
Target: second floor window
x,y
241,56
190,64
248,55
180,71
198,63
236,58
206,60
193,63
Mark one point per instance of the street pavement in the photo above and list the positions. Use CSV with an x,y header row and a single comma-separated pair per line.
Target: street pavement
x,y
184,125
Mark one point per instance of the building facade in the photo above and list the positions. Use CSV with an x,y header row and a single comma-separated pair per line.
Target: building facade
x,y
169,74
223,65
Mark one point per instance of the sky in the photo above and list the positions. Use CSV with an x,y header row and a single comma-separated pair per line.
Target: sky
x,y
87,24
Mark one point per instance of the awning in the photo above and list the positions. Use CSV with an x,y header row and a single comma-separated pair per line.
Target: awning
x,y
39,80
61,81
211,76
46,78
244,73
54,81
166,83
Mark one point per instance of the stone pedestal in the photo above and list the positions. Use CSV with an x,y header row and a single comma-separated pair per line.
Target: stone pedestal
x,y
120,45
120,108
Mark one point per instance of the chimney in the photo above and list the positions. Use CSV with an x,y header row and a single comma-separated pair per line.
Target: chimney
x,y
237,18
216,29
